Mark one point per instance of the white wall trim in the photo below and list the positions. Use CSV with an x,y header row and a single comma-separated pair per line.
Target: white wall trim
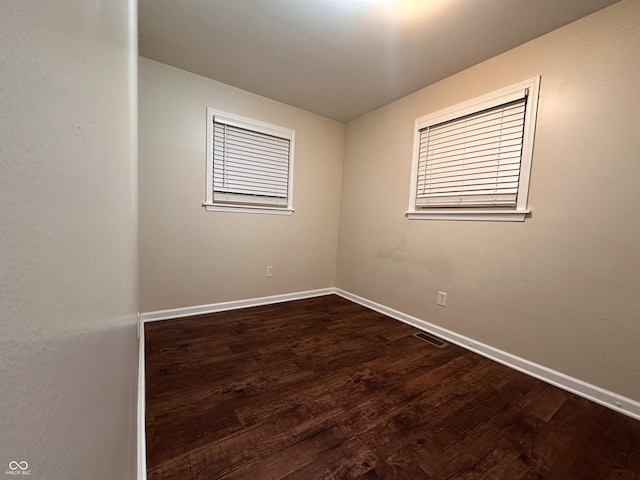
x,y
234,305
142,441
591,392
614,401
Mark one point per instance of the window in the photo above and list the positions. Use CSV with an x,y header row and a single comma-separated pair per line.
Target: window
x,y
472,161
249,165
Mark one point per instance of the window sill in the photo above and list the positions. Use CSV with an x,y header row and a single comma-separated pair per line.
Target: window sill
x,y
469,214
211,207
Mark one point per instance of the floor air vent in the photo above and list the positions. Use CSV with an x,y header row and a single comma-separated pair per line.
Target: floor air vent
x,y
431,339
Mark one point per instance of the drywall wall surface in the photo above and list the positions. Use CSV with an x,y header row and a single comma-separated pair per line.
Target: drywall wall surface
x,y
560,289
189,256
68,348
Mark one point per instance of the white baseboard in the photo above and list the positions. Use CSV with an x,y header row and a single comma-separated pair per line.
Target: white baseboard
x,y
591,392
234,305
187,312
142,441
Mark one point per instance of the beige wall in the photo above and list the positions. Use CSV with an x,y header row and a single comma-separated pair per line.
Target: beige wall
x,y
560,289
189,256
68,348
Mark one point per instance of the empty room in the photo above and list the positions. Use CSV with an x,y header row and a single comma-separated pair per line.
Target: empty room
x,y
320,239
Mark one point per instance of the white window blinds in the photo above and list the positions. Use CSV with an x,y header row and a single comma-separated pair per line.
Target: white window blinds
x,y
473,160
249,166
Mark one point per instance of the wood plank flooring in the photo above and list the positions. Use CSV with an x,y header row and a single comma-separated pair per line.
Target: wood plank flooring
x,y
326,389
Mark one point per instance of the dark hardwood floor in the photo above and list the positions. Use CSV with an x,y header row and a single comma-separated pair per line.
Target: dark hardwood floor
x,y
326,389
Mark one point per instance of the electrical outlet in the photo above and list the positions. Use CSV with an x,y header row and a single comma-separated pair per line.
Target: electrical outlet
x,y
269,271
442,299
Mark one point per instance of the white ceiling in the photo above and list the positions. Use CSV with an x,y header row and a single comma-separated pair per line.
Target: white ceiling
x,y
342,58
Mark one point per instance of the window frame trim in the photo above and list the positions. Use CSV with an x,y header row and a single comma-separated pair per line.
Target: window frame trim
x,y
495,98
214,115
